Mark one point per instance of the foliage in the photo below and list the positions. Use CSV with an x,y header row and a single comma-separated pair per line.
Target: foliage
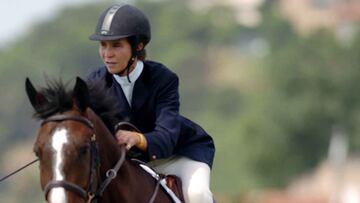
x,y
309,93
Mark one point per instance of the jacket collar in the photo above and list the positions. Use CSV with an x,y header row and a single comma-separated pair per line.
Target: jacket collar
x,y
141,90
140,93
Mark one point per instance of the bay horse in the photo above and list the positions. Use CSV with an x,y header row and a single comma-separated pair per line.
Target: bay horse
x,y
80,160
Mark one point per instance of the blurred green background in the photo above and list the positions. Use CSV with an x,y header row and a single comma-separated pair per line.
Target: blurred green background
x,y
268,87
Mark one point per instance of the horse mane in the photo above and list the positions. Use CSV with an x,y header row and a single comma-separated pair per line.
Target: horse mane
x,y
60,99
103,103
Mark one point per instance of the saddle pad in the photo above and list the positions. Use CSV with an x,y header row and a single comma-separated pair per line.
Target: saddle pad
x,y
162,182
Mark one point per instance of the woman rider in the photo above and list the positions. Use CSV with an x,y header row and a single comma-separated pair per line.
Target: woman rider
x,y
148,97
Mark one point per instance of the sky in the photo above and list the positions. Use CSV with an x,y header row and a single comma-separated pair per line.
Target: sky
x,y
17,16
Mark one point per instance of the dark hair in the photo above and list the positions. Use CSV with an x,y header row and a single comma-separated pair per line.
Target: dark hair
x,y
142,55
134,42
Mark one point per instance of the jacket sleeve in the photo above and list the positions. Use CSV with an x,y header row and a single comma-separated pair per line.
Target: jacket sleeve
x,y
163,139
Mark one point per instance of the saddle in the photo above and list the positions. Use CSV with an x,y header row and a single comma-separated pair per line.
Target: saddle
x,y
170,183
175,184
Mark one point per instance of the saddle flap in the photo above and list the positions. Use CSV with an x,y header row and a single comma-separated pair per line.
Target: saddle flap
x,y
170,183
174,183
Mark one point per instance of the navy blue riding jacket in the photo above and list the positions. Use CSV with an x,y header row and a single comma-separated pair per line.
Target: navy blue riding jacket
x,y
155,111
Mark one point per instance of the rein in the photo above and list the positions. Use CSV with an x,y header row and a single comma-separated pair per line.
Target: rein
x,y
18,170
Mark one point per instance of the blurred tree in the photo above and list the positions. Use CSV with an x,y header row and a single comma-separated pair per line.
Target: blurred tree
x,y
309,91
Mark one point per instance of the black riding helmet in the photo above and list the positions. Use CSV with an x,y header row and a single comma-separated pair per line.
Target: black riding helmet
x,y
123,21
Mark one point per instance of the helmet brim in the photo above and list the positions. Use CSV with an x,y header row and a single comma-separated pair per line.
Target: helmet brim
x,y
96,37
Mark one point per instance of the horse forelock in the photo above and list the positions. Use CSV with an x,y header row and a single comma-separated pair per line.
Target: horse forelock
x,y
60,99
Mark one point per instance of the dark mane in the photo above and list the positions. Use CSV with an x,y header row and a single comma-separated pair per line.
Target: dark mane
x,y
104,104
60,99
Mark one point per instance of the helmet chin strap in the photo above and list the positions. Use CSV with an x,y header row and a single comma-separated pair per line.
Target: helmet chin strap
x,y
127,69
133,43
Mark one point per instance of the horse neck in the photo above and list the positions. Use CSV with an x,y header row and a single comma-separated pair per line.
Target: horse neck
x,y
109,151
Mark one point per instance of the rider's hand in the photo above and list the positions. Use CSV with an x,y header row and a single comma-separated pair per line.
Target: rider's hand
x,y
131,139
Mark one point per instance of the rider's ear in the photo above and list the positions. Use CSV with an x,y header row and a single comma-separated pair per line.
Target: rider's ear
x,y
36,99
81,94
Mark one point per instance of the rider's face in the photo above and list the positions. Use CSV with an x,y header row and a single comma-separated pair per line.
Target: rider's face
x,y
116,55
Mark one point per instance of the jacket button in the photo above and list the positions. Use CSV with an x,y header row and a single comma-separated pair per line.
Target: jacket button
x,y
153,156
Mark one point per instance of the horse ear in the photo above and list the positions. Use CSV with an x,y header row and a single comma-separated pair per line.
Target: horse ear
x,y
81,94
36,99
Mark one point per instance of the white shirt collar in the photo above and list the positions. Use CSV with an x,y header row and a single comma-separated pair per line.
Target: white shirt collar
x,y
134,75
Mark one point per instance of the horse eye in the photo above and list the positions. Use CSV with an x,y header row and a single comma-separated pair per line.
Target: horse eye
x,y
36,151
83,150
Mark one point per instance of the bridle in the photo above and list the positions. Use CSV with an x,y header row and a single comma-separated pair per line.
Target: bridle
x,y
92,193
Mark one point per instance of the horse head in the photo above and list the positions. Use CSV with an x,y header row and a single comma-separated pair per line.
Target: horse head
x,y
65,144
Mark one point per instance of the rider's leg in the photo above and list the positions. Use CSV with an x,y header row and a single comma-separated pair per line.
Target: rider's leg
x,y
195,177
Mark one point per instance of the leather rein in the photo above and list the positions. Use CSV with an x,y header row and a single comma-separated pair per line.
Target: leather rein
x,y
92,193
